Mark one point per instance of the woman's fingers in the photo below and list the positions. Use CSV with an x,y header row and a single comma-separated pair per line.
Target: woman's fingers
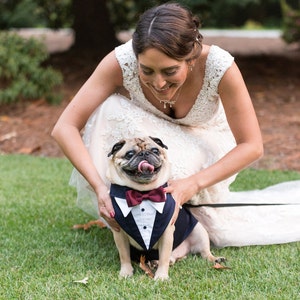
x,y
107,212
104,213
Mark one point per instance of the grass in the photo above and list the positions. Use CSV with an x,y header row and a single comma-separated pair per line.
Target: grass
x,y
41,256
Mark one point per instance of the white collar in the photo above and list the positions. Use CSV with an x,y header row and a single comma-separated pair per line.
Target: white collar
x,y
158,206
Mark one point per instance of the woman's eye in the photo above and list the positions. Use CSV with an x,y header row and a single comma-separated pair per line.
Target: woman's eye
x,y
170,73
129,155
147,72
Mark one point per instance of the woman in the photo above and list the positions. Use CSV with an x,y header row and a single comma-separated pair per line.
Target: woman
x,y
166,83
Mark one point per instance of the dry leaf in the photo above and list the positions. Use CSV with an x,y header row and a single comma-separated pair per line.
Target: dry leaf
x,y
8,136
27,150
88,225
145,267
84,280
220,267
5,118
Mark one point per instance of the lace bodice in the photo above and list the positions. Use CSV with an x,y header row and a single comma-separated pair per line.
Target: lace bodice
x,y
206,106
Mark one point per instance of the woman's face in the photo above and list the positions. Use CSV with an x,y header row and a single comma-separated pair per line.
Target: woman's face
x,y
161,74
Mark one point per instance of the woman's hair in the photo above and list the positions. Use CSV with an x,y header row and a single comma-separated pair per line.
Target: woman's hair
x,y
170,28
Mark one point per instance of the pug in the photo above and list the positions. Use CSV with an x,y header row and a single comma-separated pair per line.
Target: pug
x,y
138,170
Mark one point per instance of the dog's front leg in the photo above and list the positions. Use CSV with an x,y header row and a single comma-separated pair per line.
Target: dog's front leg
x,y
165,245
122,243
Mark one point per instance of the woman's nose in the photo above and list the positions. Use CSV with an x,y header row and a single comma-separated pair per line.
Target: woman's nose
x,y
159,82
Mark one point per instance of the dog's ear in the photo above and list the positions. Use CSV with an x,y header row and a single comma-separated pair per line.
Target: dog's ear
x,y
116,147
158,142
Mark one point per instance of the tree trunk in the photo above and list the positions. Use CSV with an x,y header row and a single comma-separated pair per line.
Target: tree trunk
x,y
93,28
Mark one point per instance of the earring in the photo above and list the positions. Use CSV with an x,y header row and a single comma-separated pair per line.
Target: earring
x,y
191,68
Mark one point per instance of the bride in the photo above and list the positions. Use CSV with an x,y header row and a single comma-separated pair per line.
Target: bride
x,y
166,83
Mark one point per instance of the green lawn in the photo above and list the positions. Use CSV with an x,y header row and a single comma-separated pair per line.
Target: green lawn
x,y
41,256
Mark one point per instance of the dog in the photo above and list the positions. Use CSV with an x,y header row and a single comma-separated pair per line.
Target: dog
x,y
138,169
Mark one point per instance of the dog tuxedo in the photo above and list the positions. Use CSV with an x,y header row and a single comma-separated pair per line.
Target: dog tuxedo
x,y
145,215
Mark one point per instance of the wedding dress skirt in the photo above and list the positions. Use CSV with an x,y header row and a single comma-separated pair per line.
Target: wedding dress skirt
x,y
255,224
189,150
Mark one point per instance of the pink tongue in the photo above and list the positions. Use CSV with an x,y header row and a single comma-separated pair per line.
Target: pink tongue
x,y
145,167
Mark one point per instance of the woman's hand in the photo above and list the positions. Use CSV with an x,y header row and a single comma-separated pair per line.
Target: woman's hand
x,y
106,209
182,191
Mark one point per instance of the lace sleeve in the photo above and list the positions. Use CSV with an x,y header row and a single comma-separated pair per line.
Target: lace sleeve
x,y
128,64
218,63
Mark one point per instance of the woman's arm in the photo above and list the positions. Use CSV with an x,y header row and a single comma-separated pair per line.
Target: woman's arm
x,y
242,120
102,83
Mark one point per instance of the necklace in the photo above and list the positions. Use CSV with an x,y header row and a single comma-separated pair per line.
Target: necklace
x,y
170,102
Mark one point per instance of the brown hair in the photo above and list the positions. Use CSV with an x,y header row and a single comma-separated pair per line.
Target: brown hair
x,y
170,28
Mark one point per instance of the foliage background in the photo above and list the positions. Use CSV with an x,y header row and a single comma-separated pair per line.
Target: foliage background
x,y
124,13
22,73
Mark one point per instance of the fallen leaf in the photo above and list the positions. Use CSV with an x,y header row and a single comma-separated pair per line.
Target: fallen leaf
x,y
8,136
27,150
84,280
145,267
88,225
220,267
5,118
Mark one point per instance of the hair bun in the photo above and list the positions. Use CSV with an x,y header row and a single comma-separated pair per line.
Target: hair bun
x,y
196,21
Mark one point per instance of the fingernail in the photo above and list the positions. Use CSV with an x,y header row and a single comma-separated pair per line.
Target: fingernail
x,y
112,214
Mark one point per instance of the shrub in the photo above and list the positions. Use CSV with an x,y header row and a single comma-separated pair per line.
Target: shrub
x,y
18,14
35,13
22,75
291,22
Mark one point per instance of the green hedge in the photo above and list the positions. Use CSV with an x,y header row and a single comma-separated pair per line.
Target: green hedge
x,y
22,75
291,22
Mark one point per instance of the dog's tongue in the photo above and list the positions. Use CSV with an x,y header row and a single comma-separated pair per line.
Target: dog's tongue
x,y
145,167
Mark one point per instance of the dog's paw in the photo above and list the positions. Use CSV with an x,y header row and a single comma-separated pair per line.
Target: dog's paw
x,y
162,273
219,260
153,264
172,260
126,271
161,277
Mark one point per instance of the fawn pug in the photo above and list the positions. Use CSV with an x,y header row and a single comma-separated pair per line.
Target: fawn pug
x,y
138,171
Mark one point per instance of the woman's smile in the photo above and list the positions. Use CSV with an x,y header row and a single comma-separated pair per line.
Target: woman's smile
x,y
165,92
161,74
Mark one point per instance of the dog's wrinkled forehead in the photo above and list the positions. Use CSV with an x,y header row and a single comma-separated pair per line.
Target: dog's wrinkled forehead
x,y
138,144
146,143
141,144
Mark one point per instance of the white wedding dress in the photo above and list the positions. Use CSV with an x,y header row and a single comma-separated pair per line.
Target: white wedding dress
x,y
194,142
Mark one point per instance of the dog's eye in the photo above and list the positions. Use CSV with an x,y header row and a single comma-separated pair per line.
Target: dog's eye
x,y
155,151
129,154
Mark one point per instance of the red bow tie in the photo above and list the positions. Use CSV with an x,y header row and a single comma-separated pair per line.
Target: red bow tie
x,y
134,198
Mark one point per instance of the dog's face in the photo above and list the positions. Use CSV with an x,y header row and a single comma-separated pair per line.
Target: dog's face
x,y
139,163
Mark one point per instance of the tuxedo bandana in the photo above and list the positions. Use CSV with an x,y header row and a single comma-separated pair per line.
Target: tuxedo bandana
x,y
145,215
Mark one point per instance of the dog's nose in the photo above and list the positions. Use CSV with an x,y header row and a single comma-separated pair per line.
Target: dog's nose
x,y
144,153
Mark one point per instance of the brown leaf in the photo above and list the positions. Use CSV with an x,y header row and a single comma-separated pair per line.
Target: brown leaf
x,y
28,150
220,267
5,118
145,267
8,136
88,225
